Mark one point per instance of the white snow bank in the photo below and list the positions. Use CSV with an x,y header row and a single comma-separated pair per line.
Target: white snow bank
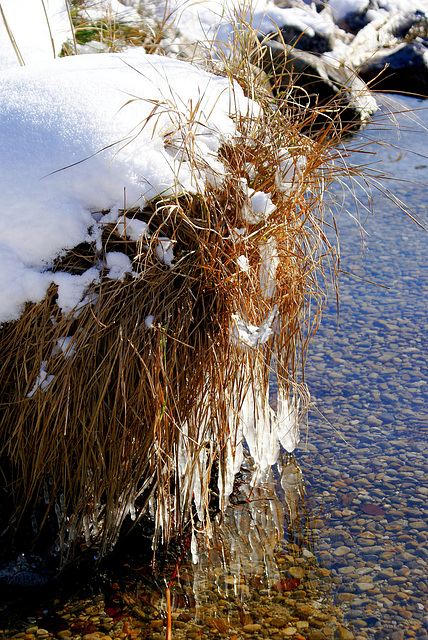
x,y
341,8
38,36
405,6
111,11
92,115
215,20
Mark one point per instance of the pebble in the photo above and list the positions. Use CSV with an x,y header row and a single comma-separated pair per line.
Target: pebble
x,y
297,572
341,551
251,628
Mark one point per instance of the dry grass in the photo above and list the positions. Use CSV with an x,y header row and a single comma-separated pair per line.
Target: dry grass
x,y
111,32
103,437
127,402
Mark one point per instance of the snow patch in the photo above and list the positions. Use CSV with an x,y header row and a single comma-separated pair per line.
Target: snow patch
x,y
70,147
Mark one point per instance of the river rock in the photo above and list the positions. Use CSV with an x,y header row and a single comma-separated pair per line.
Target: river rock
x,y
251,628
404,68
341,551
307,40
297,572
317,83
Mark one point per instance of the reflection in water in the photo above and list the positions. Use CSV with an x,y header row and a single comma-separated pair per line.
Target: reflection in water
x,y
258,575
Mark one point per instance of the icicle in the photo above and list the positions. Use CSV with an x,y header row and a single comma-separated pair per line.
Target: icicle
x,y
86,530
287,422
194,548
268,266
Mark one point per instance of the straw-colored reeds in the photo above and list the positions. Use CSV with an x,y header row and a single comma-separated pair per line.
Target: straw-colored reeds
x,y
137,403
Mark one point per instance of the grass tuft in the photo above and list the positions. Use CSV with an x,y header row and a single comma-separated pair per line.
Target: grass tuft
x,y
134,405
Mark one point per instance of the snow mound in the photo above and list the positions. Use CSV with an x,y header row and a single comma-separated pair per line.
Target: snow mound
x,y
76,134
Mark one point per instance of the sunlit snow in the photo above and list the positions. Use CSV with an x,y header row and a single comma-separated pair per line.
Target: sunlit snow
x,y
76,134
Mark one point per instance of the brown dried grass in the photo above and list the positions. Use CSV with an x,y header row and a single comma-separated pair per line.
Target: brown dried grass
x,y
102,439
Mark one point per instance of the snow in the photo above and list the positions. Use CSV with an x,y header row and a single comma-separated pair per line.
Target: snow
x,y
165,251
216,20
132,228
43,380
76,133
31,33
341,8
252,335
71,288
118,265
258,206
406,6
110,11
149,322
243,263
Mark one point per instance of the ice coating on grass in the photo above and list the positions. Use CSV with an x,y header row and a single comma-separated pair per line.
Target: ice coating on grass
x,y
193,459
258,426
264,431
43,380
268,267
75,134
251,335
287,422
165,251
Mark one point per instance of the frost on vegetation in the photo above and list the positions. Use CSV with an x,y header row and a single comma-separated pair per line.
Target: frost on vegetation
x,y
165,251
43,380
258,205
244,333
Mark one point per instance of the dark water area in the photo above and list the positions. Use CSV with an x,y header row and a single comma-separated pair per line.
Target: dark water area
x,y
335,545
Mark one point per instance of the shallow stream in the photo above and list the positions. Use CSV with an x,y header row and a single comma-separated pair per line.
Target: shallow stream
x,y
336,546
